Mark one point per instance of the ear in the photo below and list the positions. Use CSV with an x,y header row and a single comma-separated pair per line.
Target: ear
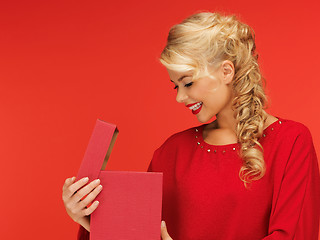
x,y
227,71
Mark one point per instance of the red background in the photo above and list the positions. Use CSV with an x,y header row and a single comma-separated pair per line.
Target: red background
x,y
63,64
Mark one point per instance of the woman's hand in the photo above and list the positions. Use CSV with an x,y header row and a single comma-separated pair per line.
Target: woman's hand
x,y
164,233
72,196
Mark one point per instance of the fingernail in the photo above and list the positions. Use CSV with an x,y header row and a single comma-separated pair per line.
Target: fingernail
x,y
163,224
97,181
86,179
73,178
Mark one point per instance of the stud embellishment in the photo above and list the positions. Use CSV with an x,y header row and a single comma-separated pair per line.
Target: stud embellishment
x,y
264,135
208,149
271,129
280,122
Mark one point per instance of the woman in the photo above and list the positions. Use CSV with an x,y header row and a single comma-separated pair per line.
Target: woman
x,y
247,174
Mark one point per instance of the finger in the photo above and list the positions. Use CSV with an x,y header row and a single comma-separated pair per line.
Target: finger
x,y
68,182
85,190
75,187
164,233
91,196
90,209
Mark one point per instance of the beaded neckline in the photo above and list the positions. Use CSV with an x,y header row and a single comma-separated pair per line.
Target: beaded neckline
x,y
233,147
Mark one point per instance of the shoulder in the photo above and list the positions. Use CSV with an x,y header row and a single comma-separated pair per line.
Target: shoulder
x,y
288,136
294,129
295,147
182,138
287,145
179,143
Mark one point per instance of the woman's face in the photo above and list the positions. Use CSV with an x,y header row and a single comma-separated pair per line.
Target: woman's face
x,y
205,97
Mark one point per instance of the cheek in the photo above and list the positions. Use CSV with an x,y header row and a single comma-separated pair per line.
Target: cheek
x,y
211,87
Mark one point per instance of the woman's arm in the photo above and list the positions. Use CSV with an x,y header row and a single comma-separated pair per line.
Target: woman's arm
x,y
295,212
83,234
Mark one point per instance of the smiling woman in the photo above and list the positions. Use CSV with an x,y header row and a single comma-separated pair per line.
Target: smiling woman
x,y
220,54
245,175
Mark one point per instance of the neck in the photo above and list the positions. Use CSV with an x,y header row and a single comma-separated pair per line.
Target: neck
x,y
225,120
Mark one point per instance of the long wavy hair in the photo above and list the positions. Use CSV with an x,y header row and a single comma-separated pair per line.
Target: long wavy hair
x,y
207,38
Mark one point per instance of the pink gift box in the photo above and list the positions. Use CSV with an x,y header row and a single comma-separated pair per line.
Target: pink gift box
x,y
130,202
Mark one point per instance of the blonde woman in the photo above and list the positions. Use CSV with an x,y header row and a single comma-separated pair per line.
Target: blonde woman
x,y
247,174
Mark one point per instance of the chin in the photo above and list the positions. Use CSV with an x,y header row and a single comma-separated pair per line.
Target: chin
x,y
205,119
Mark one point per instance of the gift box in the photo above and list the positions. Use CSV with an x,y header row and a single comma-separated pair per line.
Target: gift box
x,y
130,202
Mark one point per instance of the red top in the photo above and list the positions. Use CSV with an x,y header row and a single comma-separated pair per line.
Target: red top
x,y
204,198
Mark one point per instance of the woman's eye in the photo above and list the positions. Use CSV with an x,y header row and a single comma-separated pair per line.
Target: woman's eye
x,y
188,84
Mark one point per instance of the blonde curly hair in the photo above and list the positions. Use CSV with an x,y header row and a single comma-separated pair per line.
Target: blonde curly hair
x,y
207,38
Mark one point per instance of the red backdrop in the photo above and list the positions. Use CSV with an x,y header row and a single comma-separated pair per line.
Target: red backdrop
x,y
66,63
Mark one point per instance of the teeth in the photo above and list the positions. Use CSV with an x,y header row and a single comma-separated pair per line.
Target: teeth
x,y
196,106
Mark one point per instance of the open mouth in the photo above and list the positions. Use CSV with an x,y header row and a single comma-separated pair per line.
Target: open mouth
x,y
196,106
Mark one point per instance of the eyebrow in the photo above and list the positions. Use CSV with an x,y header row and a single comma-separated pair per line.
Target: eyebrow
x,y
181,78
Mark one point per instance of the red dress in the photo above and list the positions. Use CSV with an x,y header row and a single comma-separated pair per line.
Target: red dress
x,y
204,198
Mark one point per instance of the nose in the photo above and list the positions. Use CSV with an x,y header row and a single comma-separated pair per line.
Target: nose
x,y
181,96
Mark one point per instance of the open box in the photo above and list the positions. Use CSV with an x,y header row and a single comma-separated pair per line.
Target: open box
x,y
130,202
